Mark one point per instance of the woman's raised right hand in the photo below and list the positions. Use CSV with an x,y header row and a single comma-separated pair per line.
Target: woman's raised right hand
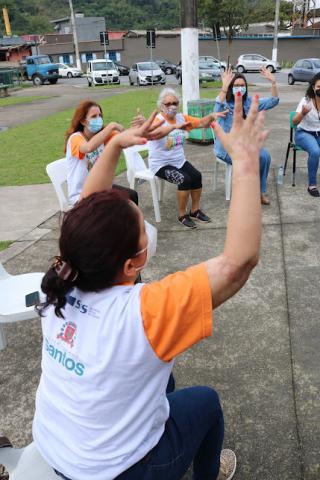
x,y
226,78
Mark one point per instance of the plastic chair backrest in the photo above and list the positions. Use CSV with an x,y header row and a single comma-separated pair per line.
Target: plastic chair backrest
x,y
57,172
292,125
134,161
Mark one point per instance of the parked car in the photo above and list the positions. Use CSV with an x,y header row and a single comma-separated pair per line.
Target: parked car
x,y
123,70
303,70
253,62
102,72
208,71
166,66
221,65
146,73
68,71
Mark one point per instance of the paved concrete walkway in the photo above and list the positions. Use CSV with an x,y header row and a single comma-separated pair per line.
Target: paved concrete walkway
x,y
264,355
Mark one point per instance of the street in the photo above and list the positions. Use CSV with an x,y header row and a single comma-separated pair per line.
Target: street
x,y
171,79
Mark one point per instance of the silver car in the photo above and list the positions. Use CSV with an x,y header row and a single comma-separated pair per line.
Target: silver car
x,y
304,70
146,73
253,62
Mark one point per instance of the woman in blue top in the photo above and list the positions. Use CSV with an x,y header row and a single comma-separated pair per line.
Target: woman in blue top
x,y
231,85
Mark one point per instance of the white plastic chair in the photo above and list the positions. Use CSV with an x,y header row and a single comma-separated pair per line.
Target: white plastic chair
x,y
57,172
13,289
26,464
228,173
137,170
228,176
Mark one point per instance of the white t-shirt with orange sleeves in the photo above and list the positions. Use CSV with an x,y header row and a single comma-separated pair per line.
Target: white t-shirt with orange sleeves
x,y
79,164
101,403
169,150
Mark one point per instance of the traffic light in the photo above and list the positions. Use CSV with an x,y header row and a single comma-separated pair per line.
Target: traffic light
x,y
104,38
151,38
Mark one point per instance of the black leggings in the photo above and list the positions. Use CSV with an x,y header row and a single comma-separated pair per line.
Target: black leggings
x,y
187,177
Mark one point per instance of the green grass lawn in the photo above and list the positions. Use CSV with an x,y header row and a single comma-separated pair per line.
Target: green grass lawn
x,y
4,244
8,101
27,149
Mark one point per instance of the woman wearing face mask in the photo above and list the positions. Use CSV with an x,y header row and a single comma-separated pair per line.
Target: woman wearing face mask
x,y
231,86
84,142
307,135
102,409
167,159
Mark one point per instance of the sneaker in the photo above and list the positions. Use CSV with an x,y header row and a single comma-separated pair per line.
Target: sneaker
x,y
186,221
228,463
264,199
199,215
314,192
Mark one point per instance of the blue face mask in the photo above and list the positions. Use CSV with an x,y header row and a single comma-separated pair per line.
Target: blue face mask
x,y
241,89
95,124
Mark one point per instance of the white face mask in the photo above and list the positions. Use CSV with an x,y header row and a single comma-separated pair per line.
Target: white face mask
x,y
241,88
170,111
152,235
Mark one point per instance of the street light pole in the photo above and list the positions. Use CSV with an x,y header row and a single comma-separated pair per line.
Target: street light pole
x,y
74,33
275,35
189,52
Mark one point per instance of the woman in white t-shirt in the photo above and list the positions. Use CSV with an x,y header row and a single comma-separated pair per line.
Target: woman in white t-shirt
x,y
85,140
102,408
307,134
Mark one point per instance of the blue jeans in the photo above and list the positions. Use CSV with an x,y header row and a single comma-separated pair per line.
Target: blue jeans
x,y
265,161
310,142
193,433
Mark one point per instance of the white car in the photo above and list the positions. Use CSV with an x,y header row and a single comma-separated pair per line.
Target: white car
x,y
68,71
146,73
208,58
253,62
102,72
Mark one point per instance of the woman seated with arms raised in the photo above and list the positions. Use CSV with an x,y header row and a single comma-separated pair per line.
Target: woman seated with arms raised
x,y
307,135
102,406
167,158
85,140
231,85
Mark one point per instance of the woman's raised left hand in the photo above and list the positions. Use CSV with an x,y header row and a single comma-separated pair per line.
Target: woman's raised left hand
x,y
265,73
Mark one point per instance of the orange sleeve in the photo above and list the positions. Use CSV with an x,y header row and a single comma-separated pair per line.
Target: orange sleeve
x,y
177,311
112,134
75,142
195,122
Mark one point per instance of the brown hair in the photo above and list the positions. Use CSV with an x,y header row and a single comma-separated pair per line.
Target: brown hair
x,y
97,236
79,117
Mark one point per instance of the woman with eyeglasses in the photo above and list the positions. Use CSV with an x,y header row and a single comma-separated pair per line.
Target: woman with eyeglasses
x,y
103,410
167,158
307,120
231,85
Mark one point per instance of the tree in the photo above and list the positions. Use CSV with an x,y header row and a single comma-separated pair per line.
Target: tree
x,y
232,16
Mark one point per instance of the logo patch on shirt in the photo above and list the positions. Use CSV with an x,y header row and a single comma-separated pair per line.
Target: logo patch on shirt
x,y
68,333
175,139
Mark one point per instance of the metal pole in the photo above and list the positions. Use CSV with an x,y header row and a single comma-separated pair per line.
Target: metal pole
x,y
151,59
275,35
217,41
189,52
105,54
74,32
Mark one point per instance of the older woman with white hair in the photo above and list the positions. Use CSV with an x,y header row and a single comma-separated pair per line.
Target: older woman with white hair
x,y
167,159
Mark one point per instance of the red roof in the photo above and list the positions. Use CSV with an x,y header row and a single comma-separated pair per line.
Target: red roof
x,y
116,35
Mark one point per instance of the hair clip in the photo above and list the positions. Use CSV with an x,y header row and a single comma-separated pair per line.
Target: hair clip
x,y
64,270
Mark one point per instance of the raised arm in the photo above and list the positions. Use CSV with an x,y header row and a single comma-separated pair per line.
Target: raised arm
x,y
301,113
100,137
102,173
265,73
229,271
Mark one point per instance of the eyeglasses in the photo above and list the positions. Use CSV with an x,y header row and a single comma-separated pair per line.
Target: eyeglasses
x,y
171,104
